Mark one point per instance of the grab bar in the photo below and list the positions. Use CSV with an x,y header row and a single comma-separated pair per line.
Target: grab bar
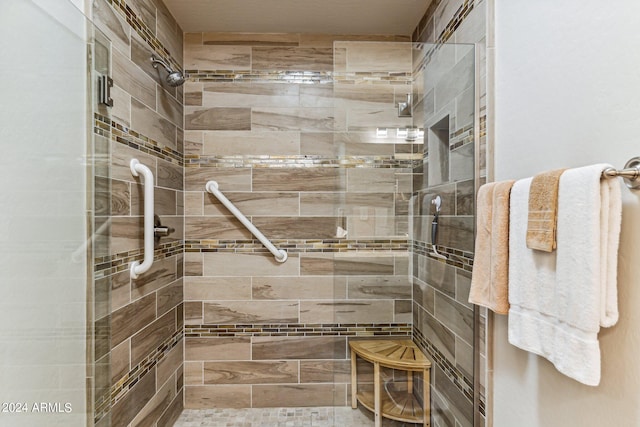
x,y
279,254
136,268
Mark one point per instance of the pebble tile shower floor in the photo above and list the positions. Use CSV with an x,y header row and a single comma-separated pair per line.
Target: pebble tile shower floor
x,y
281,417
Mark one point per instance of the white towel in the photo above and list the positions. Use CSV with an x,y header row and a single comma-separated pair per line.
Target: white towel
x,y
560,300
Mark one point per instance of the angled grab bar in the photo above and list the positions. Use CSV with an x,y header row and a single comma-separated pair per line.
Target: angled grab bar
x,y
137,168
279,254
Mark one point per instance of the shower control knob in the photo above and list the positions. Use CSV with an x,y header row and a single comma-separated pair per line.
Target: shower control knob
x,y
159,230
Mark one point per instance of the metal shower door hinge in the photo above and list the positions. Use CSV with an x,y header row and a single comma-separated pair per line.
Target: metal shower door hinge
x,y
105,83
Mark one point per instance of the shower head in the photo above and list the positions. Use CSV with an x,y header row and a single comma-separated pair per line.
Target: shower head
x,y
174,78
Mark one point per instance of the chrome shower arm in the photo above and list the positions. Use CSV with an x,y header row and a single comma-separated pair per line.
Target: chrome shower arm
x,y
155,61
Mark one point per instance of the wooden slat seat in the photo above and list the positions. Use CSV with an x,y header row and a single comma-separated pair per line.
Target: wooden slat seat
x,y
389,401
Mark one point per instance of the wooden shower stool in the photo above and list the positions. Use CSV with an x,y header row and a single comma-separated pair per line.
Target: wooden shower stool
x,y
401,405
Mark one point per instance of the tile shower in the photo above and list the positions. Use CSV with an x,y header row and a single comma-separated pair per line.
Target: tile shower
x,y
288,126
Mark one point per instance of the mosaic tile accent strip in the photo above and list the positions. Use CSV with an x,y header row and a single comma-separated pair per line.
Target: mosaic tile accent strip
x,y
143,30
464,384
120,388
455,257
108,265
299,330
461,137
461,14
297,246
299,77
304,161
119,132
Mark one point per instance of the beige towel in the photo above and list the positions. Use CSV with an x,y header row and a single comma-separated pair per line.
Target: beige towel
x,y
489,280
543,211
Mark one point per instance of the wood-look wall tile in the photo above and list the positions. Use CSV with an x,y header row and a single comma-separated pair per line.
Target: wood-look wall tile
x,y
251,39
384,287
112,25
170,108
171,415
164,200
240,94
121,110
371,226
373,180
132,403
363,119
299,179
463,287
217,348
300,395
424,295
317,96
193,373
121,156
141,53
465,197
193,264
236,143
207,227
149,338
205,57
292,58
325,371
131,318
304,119
217,288
150,124
457,232
217,396
346,264
152,411
294,227
344,143
132,79
251,372
120,292
439,335
112,197
217,118
146,11
462,163
170,363
297,288
193,93
229,179
119,361
103,340
169,32
327,40
245,264
292,348
402,312
456,316
255,203
193,313
354,96
243,312
193,203
440,275
338,203
456,403
161,273
384,56
170,296
347,311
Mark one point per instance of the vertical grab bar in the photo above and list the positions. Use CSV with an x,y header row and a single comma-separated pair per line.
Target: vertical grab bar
x,y
279,254
136,268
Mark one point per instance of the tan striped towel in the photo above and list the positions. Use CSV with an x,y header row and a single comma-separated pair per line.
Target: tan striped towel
x,y
543,211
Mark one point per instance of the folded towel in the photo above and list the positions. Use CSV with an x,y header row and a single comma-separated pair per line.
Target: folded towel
x,y
490,268
559,300
543,207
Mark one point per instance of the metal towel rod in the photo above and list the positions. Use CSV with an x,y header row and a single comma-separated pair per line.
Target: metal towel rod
x,y
630,173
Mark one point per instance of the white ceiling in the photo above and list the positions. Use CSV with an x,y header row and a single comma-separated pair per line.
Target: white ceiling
x,y
393,17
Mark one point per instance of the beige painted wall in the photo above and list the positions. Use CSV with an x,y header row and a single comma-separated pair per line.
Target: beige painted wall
x,y
566,88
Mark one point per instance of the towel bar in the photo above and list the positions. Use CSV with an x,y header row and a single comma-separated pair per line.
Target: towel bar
x,y
630,173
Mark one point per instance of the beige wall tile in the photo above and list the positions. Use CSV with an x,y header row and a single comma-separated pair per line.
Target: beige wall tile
x,y
251,39
227,227
202,118
161,273
251,372
126,409
235,143
292,348
240,94
255,203
170,363
309,119
119,359
384,287
294,288
217,396
217,348
170,108
121,157
325,371
193,203
149,338
171,415
380,57
132,318
156,405
346,264
152,125
132,79
299,179
193,313
292,58
112,25
229,179
274,396
170,296
344,143
193,264
243,312
340,204
204,57
217,288
169,32
347,311
193,373
297,227
243,264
